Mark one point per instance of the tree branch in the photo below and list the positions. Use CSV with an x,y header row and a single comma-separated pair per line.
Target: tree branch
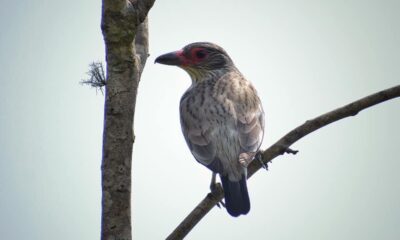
x,y
282,146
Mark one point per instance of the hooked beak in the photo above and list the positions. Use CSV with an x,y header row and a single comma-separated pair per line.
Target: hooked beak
x,y
172,58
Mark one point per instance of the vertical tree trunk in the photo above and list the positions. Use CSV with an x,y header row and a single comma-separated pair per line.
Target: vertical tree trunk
x,y
122,22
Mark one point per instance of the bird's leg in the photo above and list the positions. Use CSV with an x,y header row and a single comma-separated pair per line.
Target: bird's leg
x,y
213,188
213,183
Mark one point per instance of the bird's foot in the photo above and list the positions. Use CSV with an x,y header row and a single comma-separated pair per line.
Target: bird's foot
x,y
258,157
245,159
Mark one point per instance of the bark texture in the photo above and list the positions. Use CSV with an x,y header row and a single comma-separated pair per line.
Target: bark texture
x,y
122,22
282,146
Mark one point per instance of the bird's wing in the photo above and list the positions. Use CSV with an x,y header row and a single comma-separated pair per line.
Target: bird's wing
x,y
250,125
249,115
198,134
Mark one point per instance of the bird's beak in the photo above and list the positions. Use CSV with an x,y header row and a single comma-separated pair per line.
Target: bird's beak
x,y
172,58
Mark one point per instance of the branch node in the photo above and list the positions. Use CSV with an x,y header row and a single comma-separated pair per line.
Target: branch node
x,y
286,149
291,151
354,113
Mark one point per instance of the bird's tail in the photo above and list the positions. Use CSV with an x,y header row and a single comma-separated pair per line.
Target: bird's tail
x,y
237,200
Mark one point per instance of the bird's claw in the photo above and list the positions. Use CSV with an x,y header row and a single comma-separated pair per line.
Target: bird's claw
x,y
258,157
245,159
221,203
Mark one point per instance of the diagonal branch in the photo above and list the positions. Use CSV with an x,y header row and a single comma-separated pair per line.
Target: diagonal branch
x,y
282,146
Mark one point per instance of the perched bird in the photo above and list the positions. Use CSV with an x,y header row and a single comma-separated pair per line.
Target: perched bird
x,y
221,116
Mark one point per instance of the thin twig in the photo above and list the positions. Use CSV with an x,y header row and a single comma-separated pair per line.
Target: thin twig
x,y
281,147
96,77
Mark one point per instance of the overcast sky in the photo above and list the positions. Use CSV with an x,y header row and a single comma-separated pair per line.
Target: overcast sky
x,y
304,57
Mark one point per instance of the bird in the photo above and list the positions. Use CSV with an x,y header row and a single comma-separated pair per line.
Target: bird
x,y
221,117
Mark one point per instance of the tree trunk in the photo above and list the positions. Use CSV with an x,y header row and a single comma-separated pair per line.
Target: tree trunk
x,y
122,22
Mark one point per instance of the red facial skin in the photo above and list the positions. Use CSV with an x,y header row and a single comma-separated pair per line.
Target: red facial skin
x,y
192,59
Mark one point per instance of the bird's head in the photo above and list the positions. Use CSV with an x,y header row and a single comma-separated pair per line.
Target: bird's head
x,y
198,59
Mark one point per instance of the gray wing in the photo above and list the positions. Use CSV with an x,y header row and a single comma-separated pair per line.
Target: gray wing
x,y
250,125
198,134
248,112
249,115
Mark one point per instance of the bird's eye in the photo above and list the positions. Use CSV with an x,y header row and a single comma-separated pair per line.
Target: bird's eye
x,y
200,54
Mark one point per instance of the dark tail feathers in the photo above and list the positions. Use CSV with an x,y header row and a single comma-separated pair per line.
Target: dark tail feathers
x,y
237,200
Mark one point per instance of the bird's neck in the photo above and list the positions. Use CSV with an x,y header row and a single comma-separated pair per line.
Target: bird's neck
x,y
198,76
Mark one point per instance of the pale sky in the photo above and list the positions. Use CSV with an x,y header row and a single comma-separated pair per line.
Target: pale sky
x,y
304,57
